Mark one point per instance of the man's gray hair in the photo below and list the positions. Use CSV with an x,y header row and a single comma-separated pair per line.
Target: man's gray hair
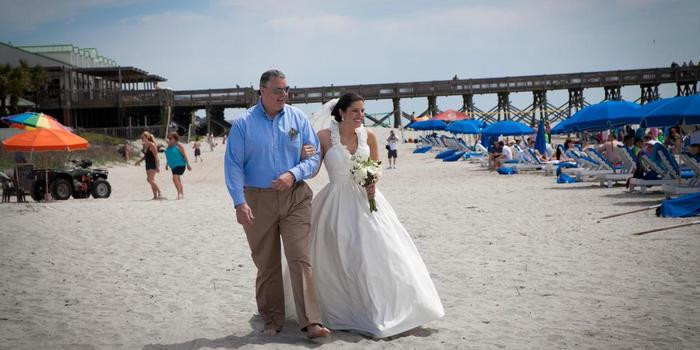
x,y
269,75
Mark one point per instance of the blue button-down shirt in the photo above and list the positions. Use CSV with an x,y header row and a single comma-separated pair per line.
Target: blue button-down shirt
x,y
261,148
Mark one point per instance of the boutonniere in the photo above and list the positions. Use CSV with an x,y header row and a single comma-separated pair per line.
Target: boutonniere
x,y
293,134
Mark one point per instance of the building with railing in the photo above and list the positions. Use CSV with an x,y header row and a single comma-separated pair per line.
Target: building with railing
x,y
86,89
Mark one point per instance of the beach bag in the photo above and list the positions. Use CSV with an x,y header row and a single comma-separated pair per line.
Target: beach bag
x,y
507,171
565,179
387,147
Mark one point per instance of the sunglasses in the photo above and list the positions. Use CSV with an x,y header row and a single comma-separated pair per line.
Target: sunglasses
x,y
279,91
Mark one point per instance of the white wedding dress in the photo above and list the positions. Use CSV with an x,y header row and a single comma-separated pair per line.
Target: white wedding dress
x,y
369,275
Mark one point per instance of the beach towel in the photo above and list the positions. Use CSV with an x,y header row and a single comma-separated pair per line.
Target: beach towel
x,y
681,207
507,171
446,153
422,149
453,157
565,179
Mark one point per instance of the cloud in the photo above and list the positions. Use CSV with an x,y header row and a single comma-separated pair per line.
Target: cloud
x,y
227,42
26,15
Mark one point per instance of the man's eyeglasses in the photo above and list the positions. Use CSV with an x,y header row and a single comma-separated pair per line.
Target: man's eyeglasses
x,y
279,91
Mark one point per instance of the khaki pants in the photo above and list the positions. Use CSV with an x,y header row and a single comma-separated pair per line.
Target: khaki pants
x,y
285,214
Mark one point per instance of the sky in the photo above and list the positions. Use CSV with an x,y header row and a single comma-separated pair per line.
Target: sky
x,y
224,43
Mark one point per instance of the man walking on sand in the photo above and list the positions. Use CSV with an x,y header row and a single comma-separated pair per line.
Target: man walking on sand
x,y
265,177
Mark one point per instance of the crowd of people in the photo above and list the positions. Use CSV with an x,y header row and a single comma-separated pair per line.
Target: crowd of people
x,y
676,139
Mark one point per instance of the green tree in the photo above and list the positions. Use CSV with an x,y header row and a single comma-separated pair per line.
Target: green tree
x,y
4,87
38,78
18,84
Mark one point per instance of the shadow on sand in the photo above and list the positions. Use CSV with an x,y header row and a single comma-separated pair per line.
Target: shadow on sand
x,y
289,335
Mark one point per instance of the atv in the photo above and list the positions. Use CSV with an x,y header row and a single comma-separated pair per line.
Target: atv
x,y
79,182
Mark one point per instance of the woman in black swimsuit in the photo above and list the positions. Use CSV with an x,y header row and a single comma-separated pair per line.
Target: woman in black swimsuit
x,y
150,155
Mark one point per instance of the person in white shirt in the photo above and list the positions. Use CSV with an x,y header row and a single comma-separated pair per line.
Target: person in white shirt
x,y
391,146
506,153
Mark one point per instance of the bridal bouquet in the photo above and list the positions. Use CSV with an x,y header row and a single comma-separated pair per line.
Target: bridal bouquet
x,y
366,172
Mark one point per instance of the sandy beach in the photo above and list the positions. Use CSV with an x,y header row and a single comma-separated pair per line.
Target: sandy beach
x,y
518,261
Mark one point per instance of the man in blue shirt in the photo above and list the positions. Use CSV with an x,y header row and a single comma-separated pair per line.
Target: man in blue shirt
x,y
265,176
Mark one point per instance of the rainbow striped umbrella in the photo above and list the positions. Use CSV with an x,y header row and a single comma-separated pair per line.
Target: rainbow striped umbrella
x,y
33,120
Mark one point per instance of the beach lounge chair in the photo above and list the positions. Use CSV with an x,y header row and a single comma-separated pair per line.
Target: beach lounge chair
x,y
694,166
687,181
588,168
480,155
653,172
622,173
548,166
527,161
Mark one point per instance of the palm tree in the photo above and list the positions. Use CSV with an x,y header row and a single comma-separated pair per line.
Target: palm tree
x,y
38,78
4,86
18,84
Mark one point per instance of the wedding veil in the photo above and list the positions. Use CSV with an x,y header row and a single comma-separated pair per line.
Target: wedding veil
x,y
322,119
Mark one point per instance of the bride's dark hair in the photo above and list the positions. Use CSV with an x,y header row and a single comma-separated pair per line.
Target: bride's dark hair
x,y
344,102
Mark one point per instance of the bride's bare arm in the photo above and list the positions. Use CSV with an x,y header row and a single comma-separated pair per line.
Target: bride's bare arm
x,y
372,143
374,154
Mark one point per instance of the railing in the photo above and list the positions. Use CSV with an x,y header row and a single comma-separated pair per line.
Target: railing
x,y
102,98
226,97
505,84
243,97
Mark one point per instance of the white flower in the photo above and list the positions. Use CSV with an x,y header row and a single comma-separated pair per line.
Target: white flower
x,y
360,175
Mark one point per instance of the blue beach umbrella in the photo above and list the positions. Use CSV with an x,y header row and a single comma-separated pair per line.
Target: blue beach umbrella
x,y
465,127
507,128
673,111
605,115
540,142
428,125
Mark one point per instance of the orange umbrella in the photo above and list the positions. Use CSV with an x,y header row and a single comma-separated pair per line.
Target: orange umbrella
x,y
38,140
451,115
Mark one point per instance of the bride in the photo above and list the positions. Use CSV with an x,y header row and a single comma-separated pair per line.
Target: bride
x,y
369,275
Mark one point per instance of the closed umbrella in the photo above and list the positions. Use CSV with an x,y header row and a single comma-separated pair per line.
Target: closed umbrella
x,y
540,139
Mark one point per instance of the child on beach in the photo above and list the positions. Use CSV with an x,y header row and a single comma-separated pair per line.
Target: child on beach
x,y
210,141
197,150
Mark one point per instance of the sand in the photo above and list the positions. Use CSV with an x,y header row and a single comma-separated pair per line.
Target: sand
x,y
519,262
